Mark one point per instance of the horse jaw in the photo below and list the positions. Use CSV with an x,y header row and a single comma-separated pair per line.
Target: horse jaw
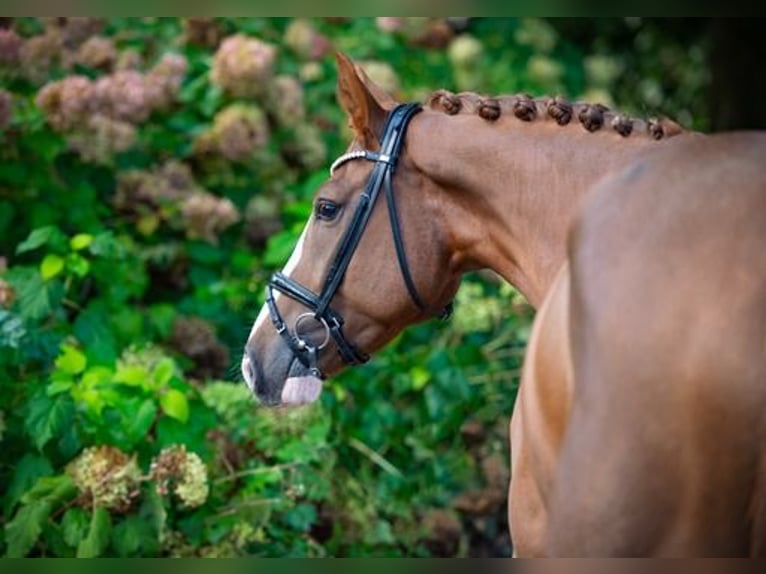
x,y
301,390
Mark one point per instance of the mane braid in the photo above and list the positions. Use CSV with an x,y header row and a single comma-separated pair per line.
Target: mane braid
x,y
591,116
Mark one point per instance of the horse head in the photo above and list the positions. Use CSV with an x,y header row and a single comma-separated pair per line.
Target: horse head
x,y
371,260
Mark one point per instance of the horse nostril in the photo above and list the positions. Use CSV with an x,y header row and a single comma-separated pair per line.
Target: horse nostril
x,y
249,372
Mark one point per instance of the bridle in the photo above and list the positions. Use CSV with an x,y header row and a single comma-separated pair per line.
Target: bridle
x,y
381,177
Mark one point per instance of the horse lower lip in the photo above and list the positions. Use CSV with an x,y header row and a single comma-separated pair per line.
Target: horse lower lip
x,y
301,390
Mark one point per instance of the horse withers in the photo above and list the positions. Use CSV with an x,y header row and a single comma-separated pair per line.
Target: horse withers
x,y
602,222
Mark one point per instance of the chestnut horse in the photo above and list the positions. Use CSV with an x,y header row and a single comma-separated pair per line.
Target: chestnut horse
x,y
638,429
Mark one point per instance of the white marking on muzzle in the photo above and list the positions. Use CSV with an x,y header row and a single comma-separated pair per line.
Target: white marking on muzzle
x,y
292,263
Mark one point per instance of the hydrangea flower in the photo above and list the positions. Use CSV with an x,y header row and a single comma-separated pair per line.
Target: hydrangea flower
x,y
181,472
237,132
38,55
243,66
97,52
303,39
67,103
101,138
106,477
10,48
284,101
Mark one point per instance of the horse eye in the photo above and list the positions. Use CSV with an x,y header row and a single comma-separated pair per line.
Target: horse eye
x,y
326,209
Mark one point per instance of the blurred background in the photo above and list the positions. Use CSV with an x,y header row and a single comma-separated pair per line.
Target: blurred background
x,y
155,171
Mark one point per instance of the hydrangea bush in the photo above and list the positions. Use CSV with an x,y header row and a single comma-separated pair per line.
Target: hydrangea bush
x,y
153,173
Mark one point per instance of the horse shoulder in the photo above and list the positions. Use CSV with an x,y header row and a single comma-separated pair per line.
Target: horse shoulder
x,y
540,419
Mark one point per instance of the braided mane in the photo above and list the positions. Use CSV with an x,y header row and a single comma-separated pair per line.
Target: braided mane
x,y
592,117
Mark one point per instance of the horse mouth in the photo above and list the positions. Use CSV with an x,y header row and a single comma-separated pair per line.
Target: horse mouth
x,y
301,390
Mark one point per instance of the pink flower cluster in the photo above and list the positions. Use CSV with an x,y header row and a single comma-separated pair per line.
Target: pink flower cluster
x,y
106,110
98,53
243,66
237,132
306,41
284,101
64,42
10,48
172,194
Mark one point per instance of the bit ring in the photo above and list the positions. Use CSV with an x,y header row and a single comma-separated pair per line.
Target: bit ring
x,y
302,317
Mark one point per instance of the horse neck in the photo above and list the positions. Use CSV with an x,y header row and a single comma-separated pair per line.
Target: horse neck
x,y
509,190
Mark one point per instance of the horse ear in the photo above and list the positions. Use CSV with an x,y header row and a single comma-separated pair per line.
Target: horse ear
x,y
365,103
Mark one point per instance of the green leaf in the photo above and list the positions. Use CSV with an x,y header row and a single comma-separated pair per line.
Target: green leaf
x,y
74,526
134,536
153,513
134,375
142,420
36,297
12,330
106,245
420,377
301,517
77,264
47,417
71,361
49,488
22,532
51,266
97,539
80,241
93,330
27,471
163,372
39,237
59,385
175,405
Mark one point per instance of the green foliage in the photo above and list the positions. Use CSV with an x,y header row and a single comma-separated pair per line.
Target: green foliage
x,y
138,234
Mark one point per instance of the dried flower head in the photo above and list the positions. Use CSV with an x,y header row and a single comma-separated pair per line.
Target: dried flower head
x,y
382,74
205,32
303,39
284,101
465,51
243,65
205,216
98,53
195,338
7,294
169,184
38,55
166,77
306,148
237,132
182,472
74,30
390,23
67,103
101,138
129,60
106,477
10,48
126,95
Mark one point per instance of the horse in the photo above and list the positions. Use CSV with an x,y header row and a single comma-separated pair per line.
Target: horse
x,y
637,429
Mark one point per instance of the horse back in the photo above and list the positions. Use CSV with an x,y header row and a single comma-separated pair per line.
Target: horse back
x,y
668,334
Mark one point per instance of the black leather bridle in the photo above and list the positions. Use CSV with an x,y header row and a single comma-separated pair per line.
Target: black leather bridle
x,y
381,177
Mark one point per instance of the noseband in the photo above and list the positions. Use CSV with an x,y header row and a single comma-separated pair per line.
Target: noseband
x,y
319,304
